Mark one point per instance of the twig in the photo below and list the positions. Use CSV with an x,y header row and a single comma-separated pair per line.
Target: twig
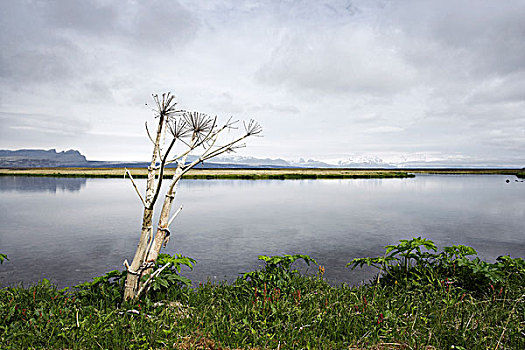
x,y
363,337
147,132
133,311
136,188
150,279
414,323
174,216
468,323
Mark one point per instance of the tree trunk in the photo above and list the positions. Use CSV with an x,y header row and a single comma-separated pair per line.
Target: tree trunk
x,y
134,270
162,227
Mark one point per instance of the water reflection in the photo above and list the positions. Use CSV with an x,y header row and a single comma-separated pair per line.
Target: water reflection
x,y
40,184
70,237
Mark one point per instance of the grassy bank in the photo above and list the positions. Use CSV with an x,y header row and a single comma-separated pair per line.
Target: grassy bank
x,y
243,174
455,171
437,301
256,174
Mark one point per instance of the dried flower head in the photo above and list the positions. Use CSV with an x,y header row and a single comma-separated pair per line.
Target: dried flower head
x,y
199,124
179,128
253,128
165,105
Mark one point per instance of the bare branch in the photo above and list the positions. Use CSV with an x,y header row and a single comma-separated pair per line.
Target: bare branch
x,y
233,148
156,99
174,216
188,151
230,124
214,137
225,148
252,129
135,186
147,132
145,286
161,173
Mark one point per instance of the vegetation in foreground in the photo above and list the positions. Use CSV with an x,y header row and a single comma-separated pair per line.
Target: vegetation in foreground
x,y
422,299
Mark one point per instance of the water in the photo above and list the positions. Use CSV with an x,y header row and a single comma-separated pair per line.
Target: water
x,y
70,230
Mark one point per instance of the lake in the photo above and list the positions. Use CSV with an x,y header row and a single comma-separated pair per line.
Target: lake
x,y
70,230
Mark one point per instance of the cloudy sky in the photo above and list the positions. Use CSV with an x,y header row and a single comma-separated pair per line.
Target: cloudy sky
x,y
426,81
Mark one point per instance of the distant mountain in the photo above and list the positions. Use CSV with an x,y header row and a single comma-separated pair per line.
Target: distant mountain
x,y
35,158
250,161
364,162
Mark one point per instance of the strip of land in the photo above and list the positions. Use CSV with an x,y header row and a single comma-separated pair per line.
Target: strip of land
x,y
249,174
252,173
465,171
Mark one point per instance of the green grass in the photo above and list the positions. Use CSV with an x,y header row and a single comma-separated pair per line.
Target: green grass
x,y
301,176
253,173
230,176
275,307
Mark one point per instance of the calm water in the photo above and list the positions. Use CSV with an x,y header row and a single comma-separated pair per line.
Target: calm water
x,y
70,230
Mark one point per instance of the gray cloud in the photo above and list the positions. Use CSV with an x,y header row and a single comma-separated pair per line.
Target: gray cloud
x,y
499,90
89,17
163,23
338,60
36,130
61,40
43,123
486,34
394,79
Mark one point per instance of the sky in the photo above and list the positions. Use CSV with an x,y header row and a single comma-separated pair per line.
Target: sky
x,y
332,80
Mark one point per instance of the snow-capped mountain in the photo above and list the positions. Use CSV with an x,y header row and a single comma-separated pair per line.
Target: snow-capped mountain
x,y
364,162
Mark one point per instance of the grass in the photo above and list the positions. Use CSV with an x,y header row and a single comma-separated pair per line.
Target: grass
x,y
313,314
242,174
465,171
256,174
304,312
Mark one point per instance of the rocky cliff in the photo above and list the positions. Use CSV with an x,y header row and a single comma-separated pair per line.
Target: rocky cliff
x,y
29,158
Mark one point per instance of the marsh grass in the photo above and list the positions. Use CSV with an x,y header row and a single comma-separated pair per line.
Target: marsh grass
x,y
260,311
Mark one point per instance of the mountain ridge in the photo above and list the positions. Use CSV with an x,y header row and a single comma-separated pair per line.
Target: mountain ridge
x,y
39,158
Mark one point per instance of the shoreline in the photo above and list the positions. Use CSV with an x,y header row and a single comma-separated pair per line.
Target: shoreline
x,y
254,173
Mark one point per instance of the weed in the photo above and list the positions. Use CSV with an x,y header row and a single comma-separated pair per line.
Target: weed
x,y
277,307
416,262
